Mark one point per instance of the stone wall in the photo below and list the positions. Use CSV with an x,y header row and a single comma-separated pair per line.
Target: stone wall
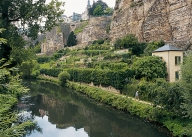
x,y
169,20
56,38
96,29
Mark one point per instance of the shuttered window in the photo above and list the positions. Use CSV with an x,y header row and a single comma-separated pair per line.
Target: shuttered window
x,y
176,75
177,60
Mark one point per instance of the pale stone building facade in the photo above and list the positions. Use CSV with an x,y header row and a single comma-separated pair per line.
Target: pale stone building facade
x,y
173,58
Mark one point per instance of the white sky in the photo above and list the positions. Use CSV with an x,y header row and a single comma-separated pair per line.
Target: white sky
x,y
79,6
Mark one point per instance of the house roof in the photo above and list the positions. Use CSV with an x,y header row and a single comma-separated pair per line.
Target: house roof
x,y
167,47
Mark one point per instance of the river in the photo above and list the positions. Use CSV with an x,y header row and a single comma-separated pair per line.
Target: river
x,y
61,113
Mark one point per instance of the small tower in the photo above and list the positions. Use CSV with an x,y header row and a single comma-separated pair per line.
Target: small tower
x,y
88,4
173,58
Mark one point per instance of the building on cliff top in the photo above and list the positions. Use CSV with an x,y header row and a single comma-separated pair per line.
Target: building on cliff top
x,y
173,58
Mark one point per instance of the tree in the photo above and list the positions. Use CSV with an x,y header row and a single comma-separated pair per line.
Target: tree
x,y
130,42
71,41
10,88
103,5
98,10
25,17
108,11
127,41
153,46
186,80
150,67
63,77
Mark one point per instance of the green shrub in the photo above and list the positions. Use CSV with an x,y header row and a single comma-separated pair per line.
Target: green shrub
x,y
80,28
150,67
100,41
63,77
51,72
43,59
104,77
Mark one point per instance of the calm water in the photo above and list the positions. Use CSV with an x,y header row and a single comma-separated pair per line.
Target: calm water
x,y
59,113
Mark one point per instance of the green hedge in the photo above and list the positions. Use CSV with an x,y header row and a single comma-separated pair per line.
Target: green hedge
x,y
43,59
108,65
99,76
51,72
112,56
94,52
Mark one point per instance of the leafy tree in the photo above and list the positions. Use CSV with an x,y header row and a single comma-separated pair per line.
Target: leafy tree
x,y
63,77
27,67
117,44
170,97
100,3
98,10
130,42
2,40
108,11
37,48
150,67
186,80
127,41
71,41
153,46
26,17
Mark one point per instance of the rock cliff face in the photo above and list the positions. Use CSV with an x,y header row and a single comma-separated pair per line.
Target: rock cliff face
x,y
96,29
56,38
169,20
148,20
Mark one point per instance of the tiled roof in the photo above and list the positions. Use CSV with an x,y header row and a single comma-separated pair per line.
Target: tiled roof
x,y
167,48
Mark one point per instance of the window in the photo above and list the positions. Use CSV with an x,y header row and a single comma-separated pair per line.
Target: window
x,y
177,60
176,75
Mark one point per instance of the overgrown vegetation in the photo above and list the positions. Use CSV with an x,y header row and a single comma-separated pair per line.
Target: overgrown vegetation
x,y
10,89
80,27
100,8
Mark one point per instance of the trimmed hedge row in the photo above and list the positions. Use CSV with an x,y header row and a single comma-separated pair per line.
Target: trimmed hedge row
x,y
105,65
94,52
51,72
99,76
113,56
117,101
43,59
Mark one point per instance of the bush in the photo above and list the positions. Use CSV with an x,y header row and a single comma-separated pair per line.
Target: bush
x,y
150,67
104,77
63,77
43,59
51,72
100,41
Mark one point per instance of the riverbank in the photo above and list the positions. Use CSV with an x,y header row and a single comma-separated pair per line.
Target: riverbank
x,y
177,126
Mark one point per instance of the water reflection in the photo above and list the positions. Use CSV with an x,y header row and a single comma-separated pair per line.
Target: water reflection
x,y
50,130
60,113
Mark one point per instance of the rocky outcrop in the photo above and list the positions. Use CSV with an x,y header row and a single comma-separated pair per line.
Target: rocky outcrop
x,y
56,38
169,20
96,29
